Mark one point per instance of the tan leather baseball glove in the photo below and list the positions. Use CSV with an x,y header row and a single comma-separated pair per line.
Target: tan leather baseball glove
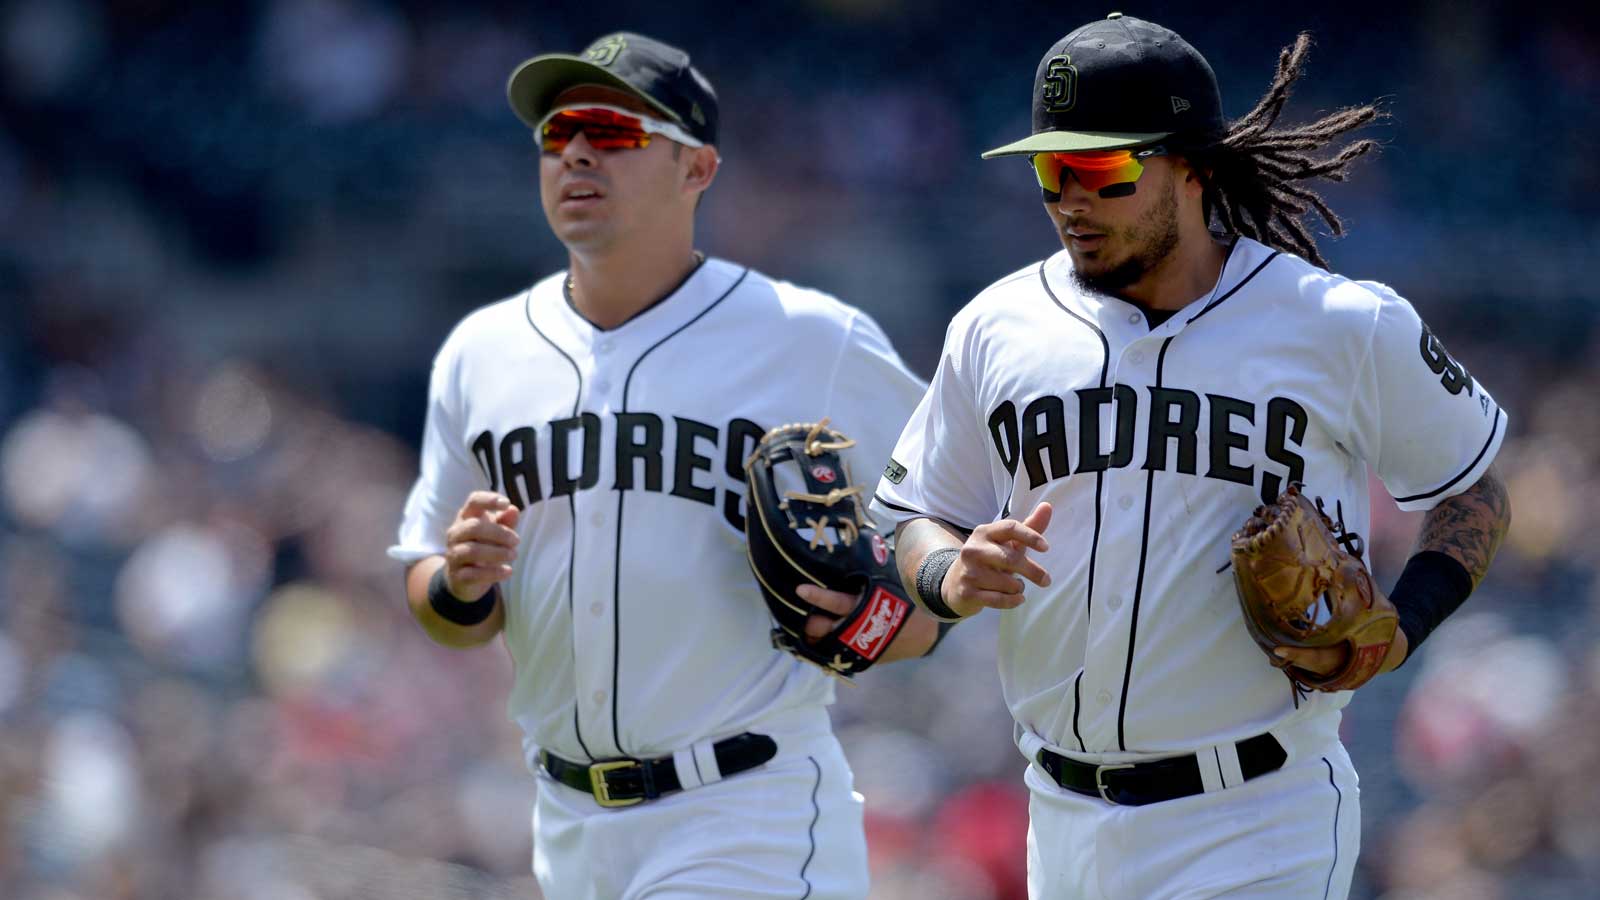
x,y
1299,588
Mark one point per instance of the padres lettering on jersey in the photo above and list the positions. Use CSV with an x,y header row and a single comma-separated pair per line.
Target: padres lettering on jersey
x,y
1178,421
1153,445
646,446
631,613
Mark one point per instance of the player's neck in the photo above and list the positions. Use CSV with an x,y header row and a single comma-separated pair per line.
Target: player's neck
x,y
610,288
1188,273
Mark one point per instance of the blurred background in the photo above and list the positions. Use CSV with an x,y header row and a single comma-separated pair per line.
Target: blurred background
x,y
233,234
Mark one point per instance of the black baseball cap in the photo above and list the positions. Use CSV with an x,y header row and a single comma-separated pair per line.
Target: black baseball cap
x,y
657,73
1119,82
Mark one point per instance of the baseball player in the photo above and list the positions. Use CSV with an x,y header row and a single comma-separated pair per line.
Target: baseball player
x,y
1101,422
581,493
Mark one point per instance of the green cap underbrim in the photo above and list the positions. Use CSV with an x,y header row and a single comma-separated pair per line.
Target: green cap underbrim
x,y
1074,142
534,86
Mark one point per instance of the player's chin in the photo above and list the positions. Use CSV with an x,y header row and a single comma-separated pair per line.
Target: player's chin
x,y
579,230
1088,261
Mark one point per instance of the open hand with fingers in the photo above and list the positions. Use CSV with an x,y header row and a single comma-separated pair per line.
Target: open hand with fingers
x,y
481,545
994,564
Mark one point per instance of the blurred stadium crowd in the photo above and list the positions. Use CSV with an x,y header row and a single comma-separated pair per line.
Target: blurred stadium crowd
x,y
232,235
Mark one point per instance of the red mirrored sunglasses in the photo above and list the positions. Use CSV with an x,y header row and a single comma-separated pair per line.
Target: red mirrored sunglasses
x,y
606,128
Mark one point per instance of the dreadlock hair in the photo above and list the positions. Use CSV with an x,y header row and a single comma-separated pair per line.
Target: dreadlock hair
x,y
1253,170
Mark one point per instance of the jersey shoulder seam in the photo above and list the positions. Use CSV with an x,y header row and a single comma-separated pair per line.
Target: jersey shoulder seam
x,y
967,318
1347,425
804,299
461,332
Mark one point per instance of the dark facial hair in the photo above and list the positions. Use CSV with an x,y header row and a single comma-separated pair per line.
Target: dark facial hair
x,y
1154,236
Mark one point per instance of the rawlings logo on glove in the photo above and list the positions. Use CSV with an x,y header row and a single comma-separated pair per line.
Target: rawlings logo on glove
x,y
807,524
1298,587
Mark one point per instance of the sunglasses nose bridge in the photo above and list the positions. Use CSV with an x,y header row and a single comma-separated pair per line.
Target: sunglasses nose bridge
x,y
1066,181
1072,191
578,151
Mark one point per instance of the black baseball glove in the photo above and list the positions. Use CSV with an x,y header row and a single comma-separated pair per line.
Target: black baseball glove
x,y
807,523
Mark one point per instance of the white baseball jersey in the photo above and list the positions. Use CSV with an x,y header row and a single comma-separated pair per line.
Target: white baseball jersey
x,y
635,623
1153,445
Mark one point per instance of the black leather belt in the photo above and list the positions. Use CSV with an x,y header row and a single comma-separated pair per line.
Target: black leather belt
x,y
624,782
1137,784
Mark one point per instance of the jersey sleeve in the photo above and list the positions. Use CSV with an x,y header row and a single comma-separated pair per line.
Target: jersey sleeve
x,y
941,466
871,396
447,471
1422,422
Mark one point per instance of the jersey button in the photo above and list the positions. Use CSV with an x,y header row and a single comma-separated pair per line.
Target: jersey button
x,y
598,608
1104,697
1125,501
597,519
599,697
1136,357
1115,603
603,346
1134,318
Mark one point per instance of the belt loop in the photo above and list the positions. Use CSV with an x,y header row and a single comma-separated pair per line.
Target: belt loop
x,y
705,761
1232,771
683,764
647,778
1213,775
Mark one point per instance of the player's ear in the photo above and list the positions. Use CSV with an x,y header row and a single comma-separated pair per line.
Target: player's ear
x,y
701,168
1192,177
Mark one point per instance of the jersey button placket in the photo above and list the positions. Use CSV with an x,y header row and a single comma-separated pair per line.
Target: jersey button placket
x,y
1122,513
604,355
592,572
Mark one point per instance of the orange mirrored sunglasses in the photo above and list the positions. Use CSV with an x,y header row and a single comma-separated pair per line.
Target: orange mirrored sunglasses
x,y
1109,173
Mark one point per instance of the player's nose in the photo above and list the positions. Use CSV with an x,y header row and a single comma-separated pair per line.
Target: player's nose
x,y
579,153
1075,198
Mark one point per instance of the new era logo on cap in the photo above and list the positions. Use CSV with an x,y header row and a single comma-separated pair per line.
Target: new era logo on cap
x,y
1179,104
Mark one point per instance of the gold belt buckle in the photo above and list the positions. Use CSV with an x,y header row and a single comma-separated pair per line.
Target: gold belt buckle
x,y
601,790
1100,782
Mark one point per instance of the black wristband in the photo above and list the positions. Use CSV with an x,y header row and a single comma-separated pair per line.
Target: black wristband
x,y
930,581
455,610
1433,586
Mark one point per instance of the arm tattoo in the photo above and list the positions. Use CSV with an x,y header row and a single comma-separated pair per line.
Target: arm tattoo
x,y
916,538
1469,526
